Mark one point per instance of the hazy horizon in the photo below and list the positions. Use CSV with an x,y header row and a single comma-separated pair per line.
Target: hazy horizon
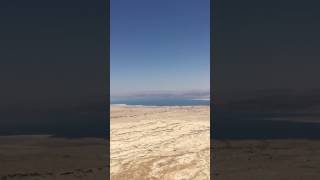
x,y
164,93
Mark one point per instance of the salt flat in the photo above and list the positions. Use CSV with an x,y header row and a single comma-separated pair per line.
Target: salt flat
x,y
166,143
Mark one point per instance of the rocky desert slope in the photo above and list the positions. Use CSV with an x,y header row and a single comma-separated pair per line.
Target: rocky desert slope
x,y
285,159
46,158
164,143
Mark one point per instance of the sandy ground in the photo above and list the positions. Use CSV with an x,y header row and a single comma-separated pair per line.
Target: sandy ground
x,y
164,143
266,160
44,158
150,143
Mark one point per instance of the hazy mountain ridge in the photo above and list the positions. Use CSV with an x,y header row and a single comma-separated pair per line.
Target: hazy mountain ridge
x,y
198,94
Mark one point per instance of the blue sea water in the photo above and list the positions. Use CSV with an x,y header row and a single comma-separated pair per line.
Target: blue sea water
x,y
162,101
57,124
74,124
253,125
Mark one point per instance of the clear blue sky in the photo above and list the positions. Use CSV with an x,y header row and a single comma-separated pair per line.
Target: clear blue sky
x,y
159,45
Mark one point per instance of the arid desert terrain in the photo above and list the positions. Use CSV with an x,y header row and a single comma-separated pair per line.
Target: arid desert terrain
x,y
282,159
46,158
157,143
167,143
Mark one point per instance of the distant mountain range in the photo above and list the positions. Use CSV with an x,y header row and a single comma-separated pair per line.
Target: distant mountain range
x,y
192,94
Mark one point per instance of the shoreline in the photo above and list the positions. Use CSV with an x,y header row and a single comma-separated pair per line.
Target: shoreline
x,y
131,105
